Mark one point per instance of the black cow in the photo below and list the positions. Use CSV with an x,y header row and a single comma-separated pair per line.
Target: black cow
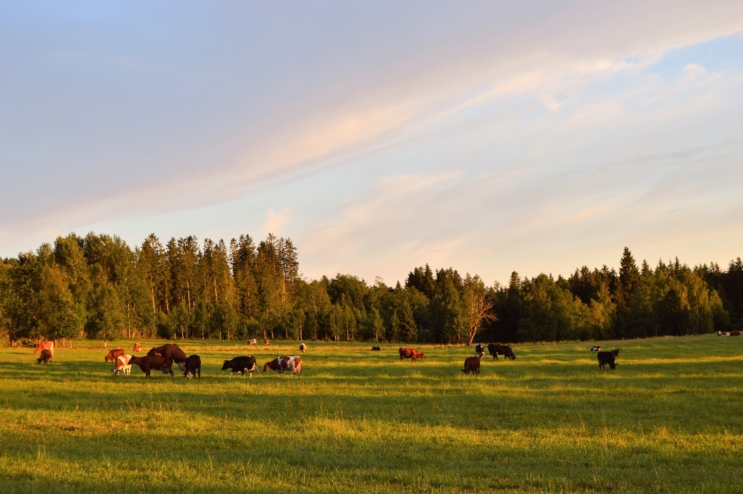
x,y
376,349
479,351
192,367
495,349
241,365
606,358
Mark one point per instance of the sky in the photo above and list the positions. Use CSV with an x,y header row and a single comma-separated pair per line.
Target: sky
x,y
491,137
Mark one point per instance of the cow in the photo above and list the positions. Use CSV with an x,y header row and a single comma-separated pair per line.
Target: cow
x,y
45,356
376,349
241,365
495,349
267,342
45,345
192,367
410,353
253,342
302,347
735,333
150,362
606,358
472,364
595,348
137,347
479,351
123,365
114,354
289,363
616,352
171,351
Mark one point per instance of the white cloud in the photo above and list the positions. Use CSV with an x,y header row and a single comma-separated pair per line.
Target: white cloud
x,y
275,221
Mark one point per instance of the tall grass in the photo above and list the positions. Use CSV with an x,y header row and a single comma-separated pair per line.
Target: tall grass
x,y
668,419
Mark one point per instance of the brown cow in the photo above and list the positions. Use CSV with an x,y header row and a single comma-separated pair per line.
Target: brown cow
x,y
267,342
169,350
45,345
137,347
280,364
472,364
46,356
411,353
114,354
150,362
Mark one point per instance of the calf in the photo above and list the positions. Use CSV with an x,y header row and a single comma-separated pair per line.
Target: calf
x,y
171,351
376,349
241,365
156,362
479,350
123,365
411,353
114,354
302,347
595,348
606,358
137,347
252,342
192,367
495,349
472,364
280,364
45,356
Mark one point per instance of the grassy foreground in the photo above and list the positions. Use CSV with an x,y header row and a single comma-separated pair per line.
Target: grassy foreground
x,y
669,419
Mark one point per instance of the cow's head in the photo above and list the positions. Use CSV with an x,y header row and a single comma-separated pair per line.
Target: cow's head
x,y
266,366
422,355
226,365
189,375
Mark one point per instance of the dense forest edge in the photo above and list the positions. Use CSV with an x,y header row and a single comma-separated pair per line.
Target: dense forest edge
x,y
98,287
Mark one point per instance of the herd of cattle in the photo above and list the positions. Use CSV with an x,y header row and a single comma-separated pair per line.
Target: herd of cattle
x,y
162,359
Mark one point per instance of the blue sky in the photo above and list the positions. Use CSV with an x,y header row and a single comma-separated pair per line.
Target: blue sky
x,y
486,136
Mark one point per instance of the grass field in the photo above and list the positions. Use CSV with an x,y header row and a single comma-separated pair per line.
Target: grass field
x,y
669,419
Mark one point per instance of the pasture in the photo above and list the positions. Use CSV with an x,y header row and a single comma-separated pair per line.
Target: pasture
x,y
668,419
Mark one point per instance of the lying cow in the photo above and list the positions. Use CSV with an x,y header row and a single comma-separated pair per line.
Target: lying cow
x,y
479,351
376,349
241,365
290,363
253,342
171,351
495,349
123,365
114,354
302,347
45,356
411,353
472,364
606,358
153,362
595,348
137,347
735,333
192,367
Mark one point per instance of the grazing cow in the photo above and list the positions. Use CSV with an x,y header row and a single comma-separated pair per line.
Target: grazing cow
x,y
472,364
376,349
411,353
595,348
137,347
114,354
302,347
479,351
253,342
46,356
290,363
606,358
616,352
267,341
171,351
123,365
192,367
156,362
495,349
45,345
241,365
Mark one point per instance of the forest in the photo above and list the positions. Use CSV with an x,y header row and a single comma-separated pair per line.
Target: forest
x,y
98,287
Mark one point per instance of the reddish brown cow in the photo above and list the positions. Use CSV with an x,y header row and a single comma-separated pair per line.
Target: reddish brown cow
x,y
114,354
281,364
45,345
267,342
411,353
46,356
171,351
156,362
137,347
472,364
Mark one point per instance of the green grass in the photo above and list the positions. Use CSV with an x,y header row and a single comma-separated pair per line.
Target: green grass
x,y
669,419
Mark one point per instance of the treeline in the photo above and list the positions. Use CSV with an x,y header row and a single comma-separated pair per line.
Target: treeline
x,y
98,287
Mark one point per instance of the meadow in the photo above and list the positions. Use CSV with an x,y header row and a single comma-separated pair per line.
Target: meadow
x,y
668,419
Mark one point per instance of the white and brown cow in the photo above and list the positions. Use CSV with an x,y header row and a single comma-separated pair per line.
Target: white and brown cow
x,y
45,345
290,363
123,365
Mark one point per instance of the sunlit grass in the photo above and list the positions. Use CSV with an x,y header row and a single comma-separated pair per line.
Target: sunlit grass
x,y
669,418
